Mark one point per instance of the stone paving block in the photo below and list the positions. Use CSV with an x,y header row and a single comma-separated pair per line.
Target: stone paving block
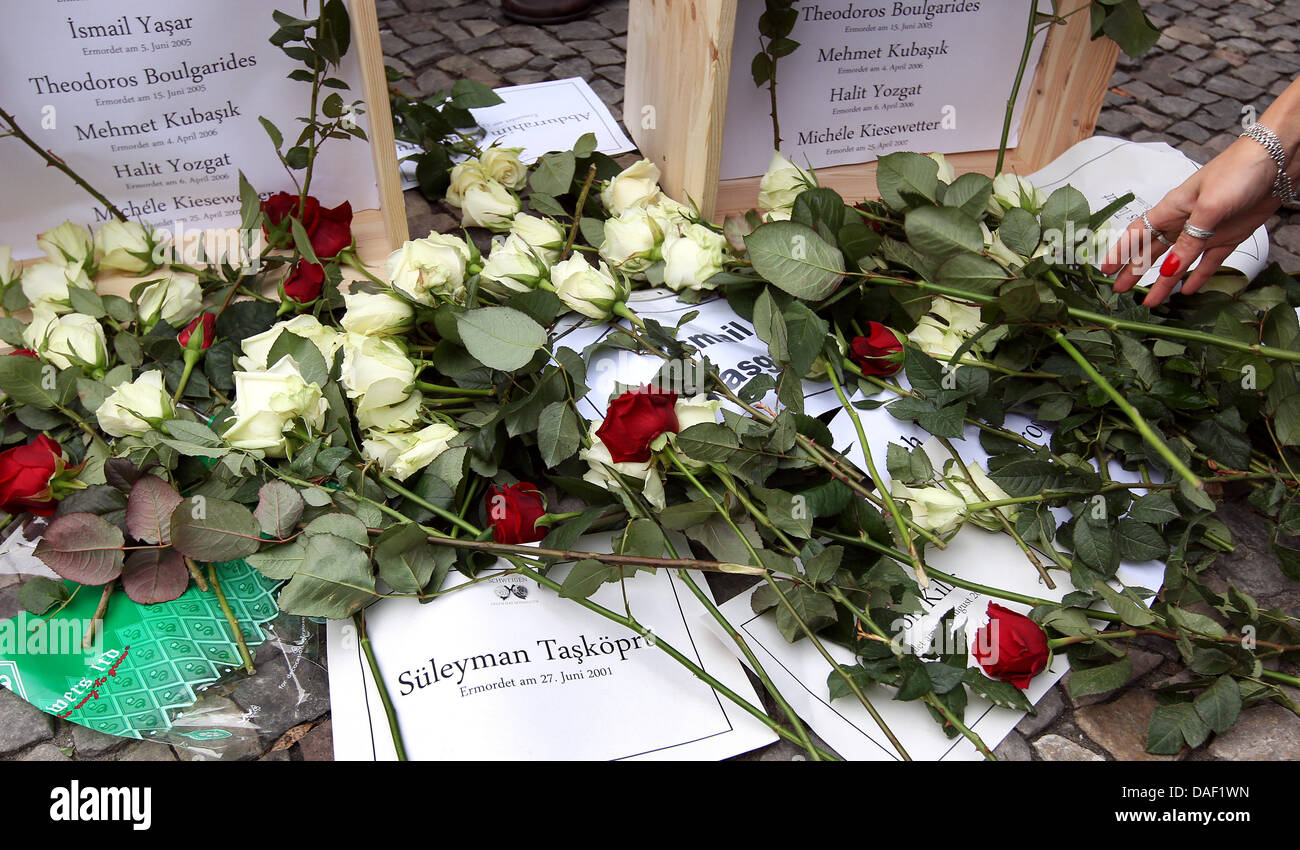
x,y
1013,748
1057,748
318,744
147,751
1263,733
90,744
1120,727
1230,86
46,752
1050,707
21,724
1188,130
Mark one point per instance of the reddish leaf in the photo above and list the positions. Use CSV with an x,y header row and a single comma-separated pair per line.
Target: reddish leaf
x,y
83,548
279,507
149,509
155,575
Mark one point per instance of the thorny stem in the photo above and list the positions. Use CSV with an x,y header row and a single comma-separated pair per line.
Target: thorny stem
x,y
98,618
359,619
50,159
577,211
1015,88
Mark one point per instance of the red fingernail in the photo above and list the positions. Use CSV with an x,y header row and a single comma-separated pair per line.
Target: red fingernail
x,y
1171,266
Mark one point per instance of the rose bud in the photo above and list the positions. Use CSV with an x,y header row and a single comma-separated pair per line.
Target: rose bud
x,y
880,352
204,340
1011,647
633,421
513,512
332,231
23,352
27,476
305,282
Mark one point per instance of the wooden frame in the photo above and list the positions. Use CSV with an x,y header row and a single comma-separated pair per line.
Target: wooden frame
x,y
679,61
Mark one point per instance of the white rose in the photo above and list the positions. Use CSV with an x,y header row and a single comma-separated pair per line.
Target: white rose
x,y
586,290
74,339
947,173
782,183
136,407
376,371
503,166
962,319
635,186
257,348
512,266
48,283
175,298
695,410
268,402
465,174
489,205
934,508
376,313
986,518
632,240
393,417
998,250
935,339
68,245
9,270
401,455
545,236
426,270
1010,190
125,246
693,257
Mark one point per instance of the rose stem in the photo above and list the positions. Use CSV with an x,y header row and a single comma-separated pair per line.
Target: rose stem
x,y
359,619
1015,87
577,211
913,556
51,159
98,618
812,637
1002,520
1139,422
196,574
230,618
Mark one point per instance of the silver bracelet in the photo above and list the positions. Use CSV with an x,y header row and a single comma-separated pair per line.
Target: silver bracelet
x,y
1282,187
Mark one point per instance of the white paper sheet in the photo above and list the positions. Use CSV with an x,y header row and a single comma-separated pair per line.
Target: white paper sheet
x,y
157,108
550,691
1104,169
718,332
540,117
871,78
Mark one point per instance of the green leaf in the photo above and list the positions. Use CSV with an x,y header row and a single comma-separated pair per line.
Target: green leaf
x,y
499,337
972,273
795,259
1003,694
279,507
940,232
902,174
806,334
815,610
39,594
340,525
1219,704
821,567
970,193
1133,613
311,364
1140,542
558,433
82,547
282,561
1020,231
25,379
1100,680
335,580
642,538
406,560
1195,623
586,577
708,442
471,94
1156,508
1173,725
1096,547
1065,206
553,174
214,530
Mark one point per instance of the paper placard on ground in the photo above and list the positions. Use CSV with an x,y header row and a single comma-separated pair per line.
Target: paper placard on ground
x,y
158,109
540,117
718,333
507,669
1104,169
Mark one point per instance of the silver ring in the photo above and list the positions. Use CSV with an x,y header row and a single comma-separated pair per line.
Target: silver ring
x,y
1197,232
1158,235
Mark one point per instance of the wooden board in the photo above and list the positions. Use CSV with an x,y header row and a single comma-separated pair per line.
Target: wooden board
x,y
679,63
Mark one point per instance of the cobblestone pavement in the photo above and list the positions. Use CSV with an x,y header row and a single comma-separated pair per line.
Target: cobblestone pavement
x,y
1216,58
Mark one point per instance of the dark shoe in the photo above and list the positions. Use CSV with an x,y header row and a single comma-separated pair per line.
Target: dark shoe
x,y
545,11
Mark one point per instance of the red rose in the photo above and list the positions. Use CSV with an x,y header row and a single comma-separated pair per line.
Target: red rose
x,y
514,511
282,206
1011,647
879,352
332,231
208,321
633,421
23,352
25,473
305,282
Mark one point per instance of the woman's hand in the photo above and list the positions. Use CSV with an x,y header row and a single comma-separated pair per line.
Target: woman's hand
x,y
1231,195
